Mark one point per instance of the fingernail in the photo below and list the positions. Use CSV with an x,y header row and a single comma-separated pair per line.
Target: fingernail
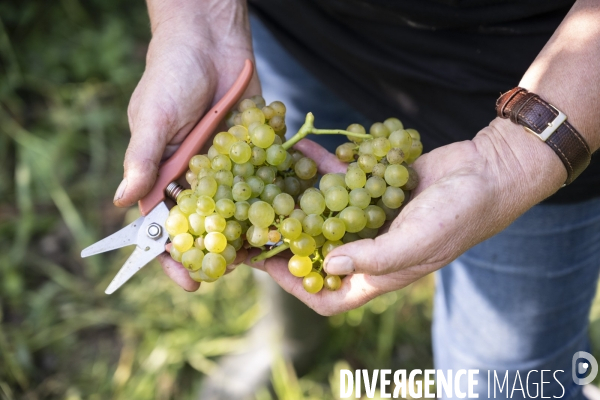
x,y
340,265
120,190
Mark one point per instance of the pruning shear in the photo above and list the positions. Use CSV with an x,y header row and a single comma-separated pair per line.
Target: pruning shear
x,y
148,232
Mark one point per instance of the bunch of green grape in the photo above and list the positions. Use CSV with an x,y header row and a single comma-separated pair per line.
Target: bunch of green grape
x,y
250,190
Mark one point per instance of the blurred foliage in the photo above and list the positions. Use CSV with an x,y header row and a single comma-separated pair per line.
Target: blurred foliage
x,y
67,69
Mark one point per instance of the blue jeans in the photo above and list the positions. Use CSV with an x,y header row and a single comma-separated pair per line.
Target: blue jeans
x,y
518,301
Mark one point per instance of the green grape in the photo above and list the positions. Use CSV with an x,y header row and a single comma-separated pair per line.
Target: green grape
x,y
277,123
381,146
223,192
191,177
390,213
267,174
246,104
379,130
402,140
396,175
300,266
415,151
212,153
355,128
355,178
199,243
331,180
237,179
269,193
223,142
307,183
278,107
215,242
286,164
241,191
274,236
360,198
232,230
375,217
354,218
305,168
182,242
366,147
332,282
229,118
312,202
256,184
296,155
175,254
220,162
283,204
225,208
243,170
393,197
200,276
268,112
196,223
413,179
229,254
198,162
237,119
350,237
393,124
319,240
183,194
240,132
291,228
214,223
313,224
192,259
276,154
237,243
224,177
313,282
379,170
303,245
414,134
329,245
345,152
175,210
205,205
259,156
241,210
262,136
395,156
366,162
214,265
251,115
257,236
298,214
207,186
187,204
206,172
368,233
279,182
258,100
375,186
334,228
336,198
277,139
291,185
240,152
176,224
261,214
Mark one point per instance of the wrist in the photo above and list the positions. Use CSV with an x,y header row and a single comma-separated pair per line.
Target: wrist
x,y
520,161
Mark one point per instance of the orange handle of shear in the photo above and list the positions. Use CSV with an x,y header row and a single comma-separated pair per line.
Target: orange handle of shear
x,y
177,164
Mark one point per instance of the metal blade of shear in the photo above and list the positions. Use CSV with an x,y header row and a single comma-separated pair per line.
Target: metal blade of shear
x,y
123,237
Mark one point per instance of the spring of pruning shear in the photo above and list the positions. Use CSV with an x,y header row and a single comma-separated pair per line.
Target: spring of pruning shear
x,y
148,232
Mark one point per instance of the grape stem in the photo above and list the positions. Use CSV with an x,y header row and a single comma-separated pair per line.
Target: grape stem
x,y
309,128
268,254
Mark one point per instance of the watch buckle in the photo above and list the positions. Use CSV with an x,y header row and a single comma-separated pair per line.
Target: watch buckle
x,y
552,126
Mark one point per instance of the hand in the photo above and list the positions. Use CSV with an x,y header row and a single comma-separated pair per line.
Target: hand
x,y
191,63
468,192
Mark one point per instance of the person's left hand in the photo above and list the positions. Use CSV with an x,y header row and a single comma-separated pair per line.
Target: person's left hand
x,y
468,191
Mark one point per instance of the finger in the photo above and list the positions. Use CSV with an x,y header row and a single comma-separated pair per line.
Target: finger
x,y
326,162
177,273
241,256
355,291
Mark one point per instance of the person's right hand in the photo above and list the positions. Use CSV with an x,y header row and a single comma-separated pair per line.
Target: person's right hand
x,y
192,60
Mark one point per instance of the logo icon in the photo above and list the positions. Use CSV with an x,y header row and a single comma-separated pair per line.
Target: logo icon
x,y
580,367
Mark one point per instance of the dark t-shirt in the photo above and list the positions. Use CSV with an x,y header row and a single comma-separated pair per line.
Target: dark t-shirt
x,y
438,65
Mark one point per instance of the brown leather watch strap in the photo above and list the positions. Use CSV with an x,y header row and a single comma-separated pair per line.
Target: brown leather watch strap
x,y
549,124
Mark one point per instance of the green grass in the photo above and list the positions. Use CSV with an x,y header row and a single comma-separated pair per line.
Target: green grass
x,y
67,69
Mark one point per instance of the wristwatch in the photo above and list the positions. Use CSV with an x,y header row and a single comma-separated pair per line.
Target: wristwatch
x,y
549,124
